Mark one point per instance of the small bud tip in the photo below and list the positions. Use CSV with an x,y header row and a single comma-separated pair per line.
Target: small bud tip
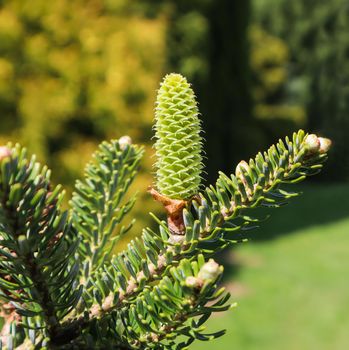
x,y
240,167
210,271
4,152
193,282
325,144
125,141
313,143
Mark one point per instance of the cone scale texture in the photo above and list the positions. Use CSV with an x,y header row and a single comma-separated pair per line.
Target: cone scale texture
x,y
178,141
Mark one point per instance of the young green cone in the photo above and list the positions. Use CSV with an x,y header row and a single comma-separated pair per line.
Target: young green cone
x,y
179,144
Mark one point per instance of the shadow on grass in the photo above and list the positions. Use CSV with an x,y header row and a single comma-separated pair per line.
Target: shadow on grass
x,y
319,204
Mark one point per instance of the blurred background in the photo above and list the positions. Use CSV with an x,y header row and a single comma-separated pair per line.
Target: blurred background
x,y
76,72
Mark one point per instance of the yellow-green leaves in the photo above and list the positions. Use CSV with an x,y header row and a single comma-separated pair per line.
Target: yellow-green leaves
x,y
179,144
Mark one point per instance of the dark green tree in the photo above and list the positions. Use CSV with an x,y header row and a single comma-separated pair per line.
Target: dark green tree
x,y
316,32
208,41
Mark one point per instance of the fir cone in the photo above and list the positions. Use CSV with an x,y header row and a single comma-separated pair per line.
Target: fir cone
x,y
179,144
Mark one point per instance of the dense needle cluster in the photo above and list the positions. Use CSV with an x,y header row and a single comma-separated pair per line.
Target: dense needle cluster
x,y
61,284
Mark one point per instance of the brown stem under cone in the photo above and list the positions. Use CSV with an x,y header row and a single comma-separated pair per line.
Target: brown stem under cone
x,y
174,209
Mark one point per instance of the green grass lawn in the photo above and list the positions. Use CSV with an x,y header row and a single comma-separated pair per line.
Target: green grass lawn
x,y
291,281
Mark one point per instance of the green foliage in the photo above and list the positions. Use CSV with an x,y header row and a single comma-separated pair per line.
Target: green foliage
x,y
178,146
187,35
316,33
273,103
38,272
64,84
208,41
96,204
57,271
73,73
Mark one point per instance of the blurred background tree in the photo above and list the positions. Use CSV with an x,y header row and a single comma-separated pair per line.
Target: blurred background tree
x,y
262,69
275,110
208,41
316,33
73,73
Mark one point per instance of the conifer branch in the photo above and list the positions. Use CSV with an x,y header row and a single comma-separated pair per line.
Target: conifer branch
x,y
210,218
35,254
97,208
162,311
163,286
218,215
